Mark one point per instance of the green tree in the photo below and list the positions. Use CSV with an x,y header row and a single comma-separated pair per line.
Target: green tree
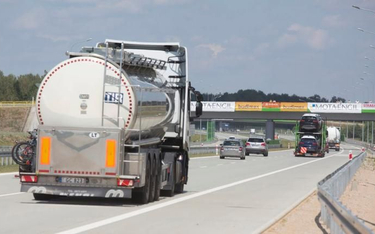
x,y
7,88
26,86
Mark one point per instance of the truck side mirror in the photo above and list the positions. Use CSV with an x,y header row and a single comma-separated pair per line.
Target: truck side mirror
x,y
198,109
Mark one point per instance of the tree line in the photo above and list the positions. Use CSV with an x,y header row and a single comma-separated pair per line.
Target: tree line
x,y
19,88
25,87
252,95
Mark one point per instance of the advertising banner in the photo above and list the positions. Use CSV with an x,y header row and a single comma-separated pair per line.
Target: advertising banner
x,y
270,106
248,106
294,106
215,106
368,108
335,107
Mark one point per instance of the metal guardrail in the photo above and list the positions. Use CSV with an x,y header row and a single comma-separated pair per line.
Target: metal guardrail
x,y
212,149
334,214
202,150
5,156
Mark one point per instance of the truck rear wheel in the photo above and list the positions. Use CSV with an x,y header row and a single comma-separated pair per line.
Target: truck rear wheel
x,y
142,195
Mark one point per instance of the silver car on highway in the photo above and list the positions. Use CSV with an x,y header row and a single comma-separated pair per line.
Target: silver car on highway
x,y
232,148
256,145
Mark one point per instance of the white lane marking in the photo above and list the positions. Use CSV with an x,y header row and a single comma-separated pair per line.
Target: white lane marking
x,y
118,218
205,157
10,194
9,173
203,166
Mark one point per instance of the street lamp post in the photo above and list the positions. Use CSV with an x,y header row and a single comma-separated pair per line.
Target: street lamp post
x,y
363,9
373,87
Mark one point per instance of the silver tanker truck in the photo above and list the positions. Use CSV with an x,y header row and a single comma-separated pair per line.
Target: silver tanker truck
x,y
114,122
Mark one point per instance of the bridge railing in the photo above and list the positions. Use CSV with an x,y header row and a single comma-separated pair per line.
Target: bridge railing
x,y
17,103
334,214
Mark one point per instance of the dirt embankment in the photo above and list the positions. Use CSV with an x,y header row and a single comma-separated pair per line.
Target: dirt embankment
x,y
12,121
358,197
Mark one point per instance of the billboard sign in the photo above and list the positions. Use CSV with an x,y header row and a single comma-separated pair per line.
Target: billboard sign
x,y
216,106
294,106
270,106
248,106
335,107
368,108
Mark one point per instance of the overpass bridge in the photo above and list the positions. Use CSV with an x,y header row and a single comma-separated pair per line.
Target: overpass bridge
x,y
270,111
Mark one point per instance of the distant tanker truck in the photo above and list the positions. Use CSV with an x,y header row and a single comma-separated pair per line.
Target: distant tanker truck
x,y
333,138
114,122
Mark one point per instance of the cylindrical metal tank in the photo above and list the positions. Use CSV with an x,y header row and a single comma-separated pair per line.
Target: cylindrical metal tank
x,y
333,135
76,94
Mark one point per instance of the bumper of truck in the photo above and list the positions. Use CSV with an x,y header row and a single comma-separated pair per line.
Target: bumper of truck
x,y
73,191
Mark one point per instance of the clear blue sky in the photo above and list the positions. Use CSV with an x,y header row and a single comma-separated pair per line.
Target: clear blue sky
x,y
302,47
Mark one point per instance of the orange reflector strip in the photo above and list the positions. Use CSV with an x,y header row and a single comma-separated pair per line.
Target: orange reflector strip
x,y
110,153
45,150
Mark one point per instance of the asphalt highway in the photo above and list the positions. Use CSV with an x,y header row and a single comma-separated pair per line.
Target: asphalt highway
x,y
222,196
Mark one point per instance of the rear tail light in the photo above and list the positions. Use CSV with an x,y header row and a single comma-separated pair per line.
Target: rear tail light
x,y
124,182
314,143
301,143
222,148
315,121
247,143
263,144
240,149
302,120
29,178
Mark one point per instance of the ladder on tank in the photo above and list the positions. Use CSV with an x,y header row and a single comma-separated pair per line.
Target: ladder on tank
x,y
116,82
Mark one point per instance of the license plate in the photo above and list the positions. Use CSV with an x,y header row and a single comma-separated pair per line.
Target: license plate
x,y
72,180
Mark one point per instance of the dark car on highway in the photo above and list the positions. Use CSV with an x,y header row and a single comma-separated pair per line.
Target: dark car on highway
x,y
232,148
308,144
310,123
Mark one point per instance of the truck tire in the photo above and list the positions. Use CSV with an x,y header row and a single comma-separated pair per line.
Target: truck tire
x,y
142,195
170,193
158,180
247,154
42,197
179,188
152,181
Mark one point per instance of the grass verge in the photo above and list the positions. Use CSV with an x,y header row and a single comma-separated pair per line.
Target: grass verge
x,y
9,168
9,138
